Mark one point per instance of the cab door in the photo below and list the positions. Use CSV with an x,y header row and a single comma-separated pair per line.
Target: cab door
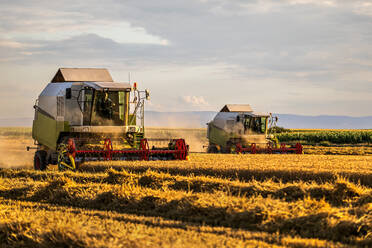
x,y
87,104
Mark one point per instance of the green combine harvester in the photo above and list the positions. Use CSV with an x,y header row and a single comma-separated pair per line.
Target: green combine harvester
x,y
239,129
82,114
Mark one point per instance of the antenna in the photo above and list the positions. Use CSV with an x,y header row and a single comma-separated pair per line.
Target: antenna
x,y
129,77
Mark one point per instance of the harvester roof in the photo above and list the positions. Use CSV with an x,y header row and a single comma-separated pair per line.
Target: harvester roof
x,y
82,75
237,108
108,85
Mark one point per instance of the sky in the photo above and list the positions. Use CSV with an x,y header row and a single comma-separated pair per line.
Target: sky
x,y
308,57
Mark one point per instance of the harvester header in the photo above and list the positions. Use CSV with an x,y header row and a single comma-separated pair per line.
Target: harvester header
x,y
82,115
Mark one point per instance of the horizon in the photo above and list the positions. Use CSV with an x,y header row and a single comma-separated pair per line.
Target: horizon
x,y
197,119
190,111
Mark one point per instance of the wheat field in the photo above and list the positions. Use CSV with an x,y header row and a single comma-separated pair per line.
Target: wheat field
x,y
212,200
209,201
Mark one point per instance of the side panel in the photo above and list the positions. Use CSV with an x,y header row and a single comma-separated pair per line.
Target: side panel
x,y
46,130
126,109
48,97
217,136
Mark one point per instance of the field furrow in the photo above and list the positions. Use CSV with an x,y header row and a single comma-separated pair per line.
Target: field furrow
x,y
279,168
330,192
294,211
43,225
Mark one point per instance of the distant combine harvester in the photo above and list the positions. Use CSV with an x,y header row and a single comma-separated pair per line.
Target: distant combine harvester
x,y
239,129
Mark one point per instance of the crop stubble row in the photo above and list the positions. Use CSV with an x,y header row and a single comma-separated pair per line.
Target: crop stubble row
x,y
305,200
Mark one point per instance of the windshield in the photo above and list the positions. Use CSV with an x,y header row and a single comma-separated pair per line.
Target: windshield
x,y
255,125
109,108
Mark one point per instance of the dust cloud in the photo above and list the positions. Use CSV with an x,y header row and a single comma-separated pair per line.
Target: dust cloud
x,y
195,138
196,142
13,153
177,126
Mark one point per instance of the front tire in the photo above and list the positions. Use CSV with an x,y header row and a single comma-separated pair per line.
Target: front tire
x,y
212,149
40,162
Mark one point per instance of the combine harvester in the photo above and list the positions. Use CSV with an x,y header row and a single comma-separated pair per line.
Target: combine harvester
x,y
81,115
238,129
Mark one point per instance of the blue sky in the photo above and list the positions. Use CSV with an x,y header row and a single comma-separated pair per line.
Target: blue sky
x,y
310,57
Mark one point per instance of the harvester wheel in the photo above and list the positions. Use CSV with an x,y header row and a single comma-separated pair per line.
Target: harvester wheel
x,y
181,149
145,150
212,149
66,156
108,149
40,162
230,147
238,148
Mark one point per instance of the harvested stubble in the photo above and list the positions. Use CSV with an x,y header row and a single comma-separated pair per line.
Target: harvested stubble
x,y
29,224
284,168
213,200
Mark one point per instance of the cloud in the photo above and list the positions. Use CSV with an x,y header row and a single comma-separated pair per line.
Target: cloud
x,y
195,101
280,53
11,44
54,23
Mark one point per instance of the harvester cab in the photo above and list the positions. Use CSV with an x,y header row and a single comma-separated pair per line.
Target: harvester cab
x,y
239,129
82,114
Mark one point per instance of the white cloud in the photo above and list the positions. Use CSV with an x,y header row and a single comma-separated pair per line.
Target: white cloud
x,y
121,32
363,8
56,25
15,44
11,44
315,2
195,101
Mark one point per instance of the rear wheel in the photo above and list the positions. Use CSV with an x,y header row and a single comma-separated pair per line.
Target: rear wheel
x,y
40,162
230,147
